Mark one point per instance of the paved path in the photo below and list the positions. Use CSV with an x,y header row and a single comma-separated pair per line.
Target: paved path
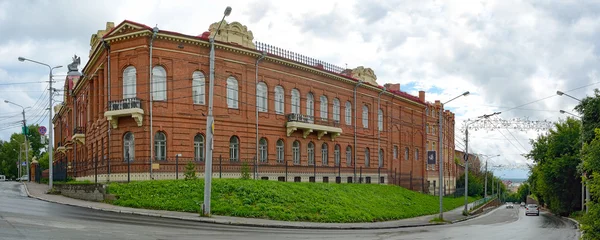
x,y
39,191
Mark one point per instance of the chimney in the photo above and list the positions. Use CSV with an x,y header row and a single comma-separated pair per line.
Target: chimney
x,y
392,87
422,96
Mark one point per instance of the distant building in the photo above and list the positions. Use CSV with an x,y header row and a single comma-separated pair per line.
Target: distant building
x,y
310,126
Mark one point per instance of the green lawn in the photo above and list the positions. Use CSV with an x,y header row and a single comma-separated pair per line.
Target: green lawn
x,y
289,201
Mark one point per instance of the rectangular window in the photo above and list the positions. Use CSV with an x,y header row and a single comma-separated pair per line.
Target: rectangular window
x,y
395,152
280,153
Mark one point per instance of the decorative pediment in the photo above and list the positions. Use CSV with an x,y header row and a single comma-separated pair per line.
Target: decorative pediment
x,y
365,74
97,37
234,32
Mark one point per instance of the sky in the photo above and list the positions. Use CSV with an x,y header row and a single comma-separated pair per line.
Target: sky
x,y
506,53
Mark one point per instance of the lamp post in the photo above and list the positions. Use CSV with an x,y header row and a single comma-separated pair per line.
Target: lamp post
x,y
486,173
485,116
50,140
25,135
584,189
441,153
210,122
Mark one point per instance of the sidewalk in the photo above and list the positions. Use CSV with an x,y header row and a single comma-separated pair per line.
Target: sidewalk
x,y
38,191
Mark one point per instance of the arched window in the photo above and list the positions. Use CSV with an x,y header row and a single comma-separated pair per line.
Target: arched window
x,y
336,155
280,151
426,111
296,152
323,109
199,147
367,157
380,120
348,111
406,153
336,110
311,153
324,154
232,93
310,106
380,157
349,156
198,89
417,154
159,83
160,146
128,147
234,149
129,82
261,97
279,100
262,150
295,101
365,116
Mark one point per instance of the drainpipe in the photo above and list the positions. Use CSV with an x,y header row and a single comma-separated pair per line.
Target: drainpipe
x,y
379,130
262,56
108,97
355,122
154,32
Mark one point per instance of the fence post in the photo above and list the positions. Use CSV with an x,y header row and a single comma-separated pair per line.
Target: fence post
x,y
396,177
379,175
220,166
411,180
340,170
315,170
286,170
176,166
360,180
96,169
128,170
254,170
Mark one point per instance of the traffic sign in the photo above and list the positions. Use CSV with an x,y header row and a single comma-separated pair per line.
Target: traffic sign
x,y
24,164
42,130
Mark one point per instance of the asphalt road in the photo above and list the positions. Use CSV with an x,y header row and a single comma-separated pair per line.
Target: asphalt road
x,y
26,218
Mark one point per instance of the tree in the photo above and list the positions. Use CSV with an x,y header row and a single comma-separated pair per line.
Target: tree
x,y
554,177
190,171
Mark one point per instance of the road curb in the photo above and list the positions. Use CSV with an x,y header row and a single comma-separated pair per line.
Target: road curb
x,y
244,224
577,225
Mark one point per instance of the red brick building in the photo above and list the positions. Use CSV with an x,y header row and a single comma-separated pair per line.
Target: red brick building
x,y
316,121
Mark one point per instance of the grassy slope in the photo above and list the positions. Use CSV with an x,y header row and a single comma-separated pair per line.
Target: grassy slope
x,y
316,202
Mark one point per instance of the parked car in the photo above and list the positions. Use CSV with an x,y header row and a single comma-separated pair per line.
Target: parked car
x,y
2,178
532,209
24,178
510,205
522,204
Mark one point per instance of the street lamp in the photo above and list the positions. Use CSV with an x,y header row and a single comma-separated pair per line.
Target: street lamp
x,y
50,162
210,122
584,189
485,116
25,135
441,153
486,174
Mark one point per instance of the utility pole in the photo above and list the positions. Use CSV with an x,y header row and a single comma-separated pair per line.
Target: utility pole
x,y
210,122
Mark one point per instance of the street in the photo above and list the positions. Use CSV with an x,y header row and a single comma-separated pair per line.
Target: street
x,y
27,218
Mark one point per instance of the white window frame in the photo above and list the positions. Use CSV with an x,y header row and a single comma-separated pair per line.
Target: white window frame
x,y
349,156
324,111
324,154
380,120
159,83
310,149
263,150
336,155
295,101
198,88
262,97
279,100
395,152
232,93
296,152
380,158
310,106
365,116
129,82
160,146
367,157
128,147
234,149
199,148
336,110
348,112
280,145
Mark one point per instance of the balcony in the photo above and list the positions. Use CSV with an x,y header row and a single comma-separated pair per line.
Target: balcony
x,y
308,124
79,135
129,107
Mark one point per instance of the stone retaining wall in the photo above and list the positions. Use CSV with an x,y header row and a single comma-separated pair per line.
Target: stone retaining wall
x,y
88,192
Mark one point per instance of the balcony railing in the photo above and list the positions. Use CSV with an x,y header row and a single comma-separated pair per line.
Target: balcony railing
x,y
79,130
295,117
127,103
298,58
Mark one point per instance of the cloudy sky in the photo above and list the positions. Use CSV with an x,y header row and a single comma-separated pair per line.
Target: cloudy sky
x,y
506,53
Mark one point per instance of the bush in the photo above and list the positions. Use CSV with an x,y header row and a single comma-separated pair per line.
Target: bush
x,y
245,171
190,171
287,201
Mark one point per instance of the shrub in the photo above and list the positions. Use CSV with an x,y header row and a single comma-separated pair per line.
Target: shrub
x,y
190,171
245,171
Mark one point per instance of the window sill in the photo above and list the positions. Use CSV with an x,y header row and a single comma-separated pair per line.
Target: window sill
x,y
234,111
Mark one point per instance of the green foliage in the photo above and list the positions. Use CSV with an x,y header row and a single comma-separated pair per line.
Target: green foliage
x,y
245,171
591,220
288,201
9,150
190,171
554,178
43,161
589,108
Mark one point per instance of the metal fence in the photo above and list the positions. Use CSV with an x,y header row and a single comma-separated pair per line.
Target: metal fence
x,y
101,170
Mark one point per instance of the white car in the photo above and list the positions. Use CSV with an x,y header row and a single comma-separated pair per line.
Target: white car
x,y
532,209
24,178
510,205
